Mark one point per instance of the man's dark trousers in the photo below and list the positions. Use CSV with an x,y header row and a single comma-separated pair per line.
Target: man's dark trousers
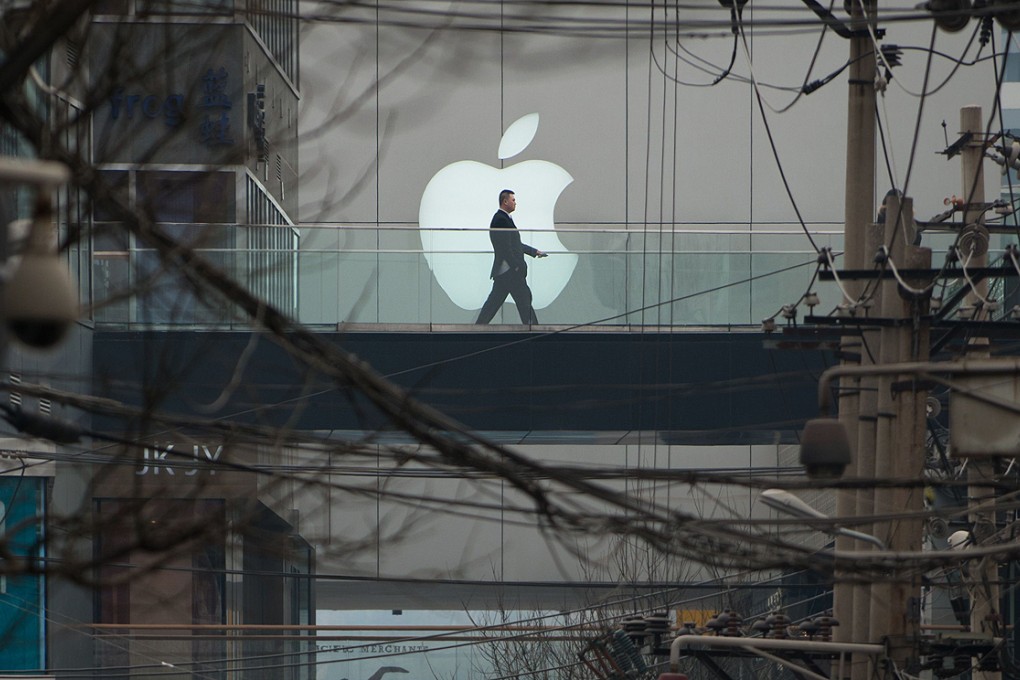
x,y
515,285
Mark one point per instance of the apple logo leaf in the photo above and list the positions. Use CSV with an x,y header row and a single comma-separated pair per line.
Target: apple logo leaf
x,y
518,136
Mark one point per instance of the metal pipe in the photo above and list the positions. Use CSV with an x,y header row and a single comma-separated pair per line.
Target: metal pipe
x,y
966,366
48,174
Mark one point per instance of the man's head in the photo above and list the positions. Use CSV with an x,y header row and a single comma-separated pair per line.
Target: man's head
x,y
507,200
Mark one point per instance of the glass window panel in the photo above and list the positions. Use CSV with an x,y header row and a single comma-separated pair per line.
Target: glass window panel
x,y
186,7
120,7
118,182
188,196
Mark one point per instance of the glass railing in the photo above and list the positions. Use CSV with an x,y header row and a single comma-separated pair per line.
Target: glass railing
x,y
594,276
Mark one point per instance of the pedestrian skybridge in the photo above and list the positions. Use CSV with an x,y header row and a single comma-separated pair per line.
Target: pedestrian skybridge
x,y
331,276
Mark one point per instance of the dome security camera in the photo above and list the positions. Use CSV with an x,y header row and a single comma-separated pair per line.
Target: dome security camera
x,y
824,448
39,300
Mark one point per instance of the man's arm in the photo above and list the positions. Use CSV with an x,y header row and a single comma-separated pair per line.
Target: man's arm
x,y
533,252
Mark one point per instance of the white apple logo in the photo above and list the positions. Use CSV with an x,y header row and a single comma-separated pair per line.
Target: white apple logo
x,y
458,204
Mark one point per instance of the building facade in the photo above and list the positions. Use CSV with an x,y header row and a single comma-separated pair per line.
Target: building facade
x,y
189,117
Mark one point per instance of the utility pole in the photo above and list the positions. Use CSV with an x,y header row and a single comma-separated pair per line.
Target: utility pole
x,y
899,437
885,425
983,575
850,602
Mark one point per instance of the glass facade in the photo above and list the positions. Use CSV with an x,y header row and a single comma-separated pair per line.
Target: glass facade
x,y
135,284
73,213
277,589
269,260
144,7
276,23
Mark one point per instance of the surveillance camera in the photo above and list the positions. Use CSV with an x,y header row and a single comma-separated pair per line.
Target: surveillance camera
x,y
824,448
40,303
938,528
959,540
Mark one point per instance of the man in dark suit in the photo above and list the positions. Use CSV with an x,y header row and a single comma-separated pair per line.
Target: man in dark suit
x,y
509,270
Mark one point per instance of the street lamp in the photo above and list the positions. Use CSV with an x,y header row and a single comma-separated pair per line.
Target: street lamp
x,y
786,502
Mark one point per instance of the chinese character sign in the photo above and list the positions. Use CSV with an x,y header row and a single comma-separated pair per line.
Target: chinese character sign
x,y
215,126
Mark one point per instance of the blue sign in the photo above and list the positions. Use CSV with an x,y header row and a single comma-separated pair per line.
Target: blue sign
x,y
170,108
214,106
215,126
22,623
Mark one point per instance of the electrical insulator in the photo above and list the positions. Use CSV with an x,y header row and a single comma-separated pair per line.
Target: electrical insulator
x,y
733,624
891,54
777,622
825,624
809,628
954,201
625,653
1012,154
974,239
950,15
657,625
634,627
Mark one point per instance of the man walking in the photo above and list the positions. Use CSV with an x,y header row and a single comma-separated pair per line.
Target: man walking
x,y
509,271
